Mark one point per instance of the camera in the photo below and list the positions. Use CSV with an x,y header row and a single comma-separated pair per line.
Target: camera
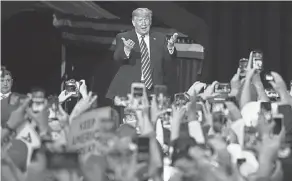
x,y
222,88
71,86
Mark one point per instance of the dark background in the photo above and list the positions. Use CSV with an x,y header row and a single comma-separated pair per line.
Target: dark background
x,y
31,46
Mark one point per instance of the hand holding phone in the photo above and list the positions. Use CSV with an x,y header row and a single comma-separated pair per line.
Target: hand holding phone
x,y
72,87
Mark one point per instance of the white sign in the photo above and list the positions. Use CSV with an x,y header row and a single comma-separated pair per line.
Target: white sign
x,y
90,132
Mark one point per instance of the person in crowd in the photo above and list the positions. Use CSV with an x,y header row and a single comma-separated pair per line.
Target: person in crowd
x,y
6,83
143,54
9,100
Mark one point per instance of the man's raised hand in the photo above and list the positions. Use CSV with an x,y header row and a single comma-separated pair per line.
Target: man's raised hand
x,y
128,44
172,40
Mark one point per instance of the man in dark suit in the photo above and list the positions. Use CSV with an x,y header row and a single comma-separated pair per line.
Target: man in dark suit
x,y
143,55
9,100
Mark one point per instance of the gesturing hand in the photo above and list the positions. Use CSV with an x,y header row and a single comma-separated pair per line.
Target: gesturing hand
x,y
128,44
172,40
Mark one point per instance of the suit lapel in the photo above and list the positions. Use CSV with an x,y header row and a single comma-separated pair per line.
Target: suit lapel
x,y
152,43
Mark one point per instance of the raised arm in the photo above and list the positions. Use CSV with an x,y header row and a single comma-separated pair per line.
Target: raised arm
x,y
169,48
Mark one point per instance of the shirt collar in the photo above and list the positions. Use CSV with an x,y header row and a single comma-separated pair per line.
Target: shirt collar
x,y
5,95
139,36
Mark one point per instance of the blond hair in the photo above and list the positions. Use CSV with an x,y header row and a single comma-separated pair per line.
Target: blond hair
x,y
142,12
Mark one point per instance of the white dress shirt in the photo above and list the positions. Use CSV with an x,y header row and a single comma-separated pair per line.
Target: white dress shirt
x,y
147,41
2,96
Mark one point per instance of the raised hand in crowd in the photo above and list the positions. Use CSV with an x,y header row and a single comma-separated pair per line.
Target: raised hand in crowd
x,y
124,167
62,116
235,84
83,105
155,112
17,118
280,87
178,115
196,88
233,111
82,88
60,125
268,149
259,87
64,95
246,96
209,91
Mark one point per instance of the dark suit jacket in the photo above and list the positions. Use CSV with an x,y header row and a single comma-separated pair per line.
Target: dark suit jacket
x,y
130,70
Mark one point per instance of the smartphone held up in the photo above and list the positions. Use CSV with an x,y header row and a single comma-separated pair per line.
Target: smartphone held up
x,y
243,62
257,60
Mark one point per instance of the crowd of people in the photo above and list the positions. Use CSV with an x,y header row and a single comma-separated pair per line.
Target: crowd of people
x,y
219,132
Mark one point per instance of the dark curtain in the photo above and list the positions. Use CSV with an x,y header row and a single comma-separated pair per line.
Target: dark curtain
x,y
31,50
236,28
